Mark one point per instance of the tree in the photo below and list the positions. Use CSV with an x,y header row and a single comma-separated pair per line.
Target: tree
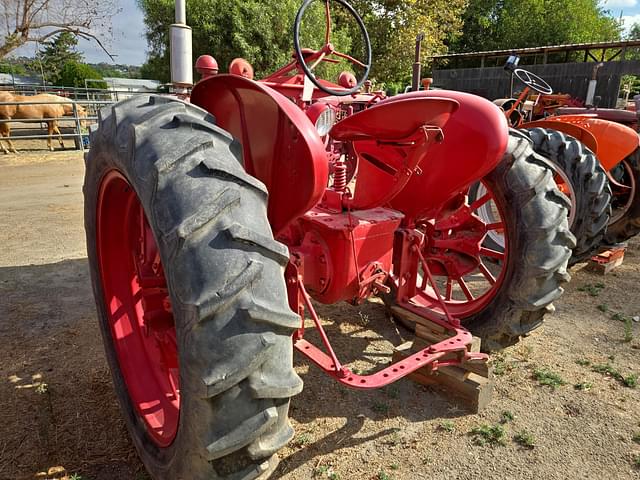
x,y
74,74
634,33
12,68
261,32
507,24
394,25
58,52
24,21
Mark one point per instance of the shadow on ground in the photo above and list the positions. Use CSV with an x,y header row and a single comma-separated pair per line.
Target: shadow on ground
x,y
59,408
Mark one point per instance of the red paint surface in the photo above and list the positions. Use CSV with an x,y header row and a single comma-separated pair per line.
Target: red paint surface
x,y
138,308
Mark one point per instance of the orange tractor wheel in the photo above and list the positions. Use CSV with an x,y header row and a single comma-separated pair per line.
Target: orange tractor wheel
x,y
626,206
584,181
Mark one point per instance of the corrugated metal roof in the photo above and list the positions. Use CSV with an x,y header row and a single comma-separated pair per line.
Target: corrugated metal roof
x,y
118,83
547,49
9,79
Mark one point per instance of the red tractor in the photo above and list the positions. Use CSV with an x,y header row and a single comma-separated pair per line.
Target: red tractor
x,y
212,225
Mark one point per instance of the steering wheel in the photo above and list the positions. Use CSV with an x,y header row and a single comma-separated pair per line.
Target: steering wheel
x,y
533,81
329,49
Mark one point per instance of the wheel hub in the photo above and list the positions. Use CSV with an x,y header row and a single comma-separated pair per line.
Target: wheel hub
x,y
452,245
466,273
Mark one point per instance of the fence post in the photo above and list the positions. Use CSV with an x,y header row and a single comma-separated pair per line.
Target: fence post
x,y
78,126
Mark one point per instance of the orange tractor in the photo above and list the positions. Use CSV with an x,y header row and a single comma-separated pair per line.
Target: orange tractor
x,y
597,165
211,226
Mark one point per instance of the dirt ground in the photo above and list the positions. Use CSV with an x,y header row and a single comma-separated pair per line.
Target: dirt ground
x,y
59,418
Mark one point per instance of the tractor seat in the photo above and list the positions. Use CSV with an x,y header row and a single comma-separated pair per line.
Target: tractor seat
x,y
395,119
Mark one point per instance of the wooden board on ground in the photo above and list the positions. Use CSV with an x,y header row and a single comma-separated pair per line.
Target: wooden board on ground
x,y
471,383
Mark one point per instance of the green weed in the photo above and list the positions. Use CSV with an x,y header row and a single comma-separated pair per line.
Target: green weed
x,y
323,471
584,386
488,434
525,439
593,290
320,471
447,426
544,376
302,440
630,381
506,417
603,307
618,317
500,365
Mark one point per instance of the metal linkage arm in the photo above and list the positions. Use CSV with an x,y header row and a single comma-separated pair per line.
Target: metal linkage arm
x,y
450,352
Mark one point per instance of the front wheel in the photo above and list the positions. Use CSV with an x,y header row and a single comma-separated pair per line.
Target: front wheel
x,y
190,291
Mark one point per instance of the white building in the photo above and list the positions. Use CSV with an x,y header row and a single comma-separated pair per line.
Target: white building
x,y
126,87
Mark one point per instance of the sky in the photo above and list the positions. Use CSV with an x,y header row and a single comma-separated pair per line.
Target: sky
x,y
130,45
128,41
628,9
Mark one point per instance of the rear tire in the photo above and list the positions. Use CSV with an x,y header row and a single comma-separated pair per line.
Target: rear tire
x,y
539,242
589,183
225,276
629,224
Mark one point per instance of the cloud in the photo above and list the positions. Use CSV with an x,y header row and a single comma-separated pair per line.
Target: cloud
x,y
629,21
128,45
619,3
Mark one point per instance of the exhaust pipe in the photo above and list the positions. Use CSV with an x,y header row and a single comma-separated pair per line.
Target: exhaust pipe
x,y
181,51
591,90
417,66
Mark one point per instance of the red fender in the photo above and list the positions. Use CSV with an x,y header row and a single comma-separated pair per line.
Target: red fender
x,y
475,139
280,145
611,142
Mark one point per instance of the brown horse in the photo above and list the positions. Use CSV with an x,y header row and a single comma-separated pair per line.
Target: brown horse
x,y
54,109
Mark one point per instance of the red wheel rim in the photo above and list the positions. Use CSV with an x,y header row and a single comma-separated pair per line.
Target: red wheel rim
x,y
467,273
138,308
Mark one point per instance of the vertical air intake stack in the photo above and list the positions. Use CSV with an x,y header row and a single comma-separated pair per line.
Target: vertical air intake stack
x,y
181,55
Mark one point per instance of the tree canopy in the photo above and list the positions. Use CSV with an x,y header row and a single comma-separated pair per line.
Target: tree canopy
x,y
57,52
262,31
506,24
74,74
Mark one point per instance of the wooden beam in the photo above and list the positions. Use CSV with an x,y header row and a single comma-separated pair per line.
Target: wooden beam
x,y
615,55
